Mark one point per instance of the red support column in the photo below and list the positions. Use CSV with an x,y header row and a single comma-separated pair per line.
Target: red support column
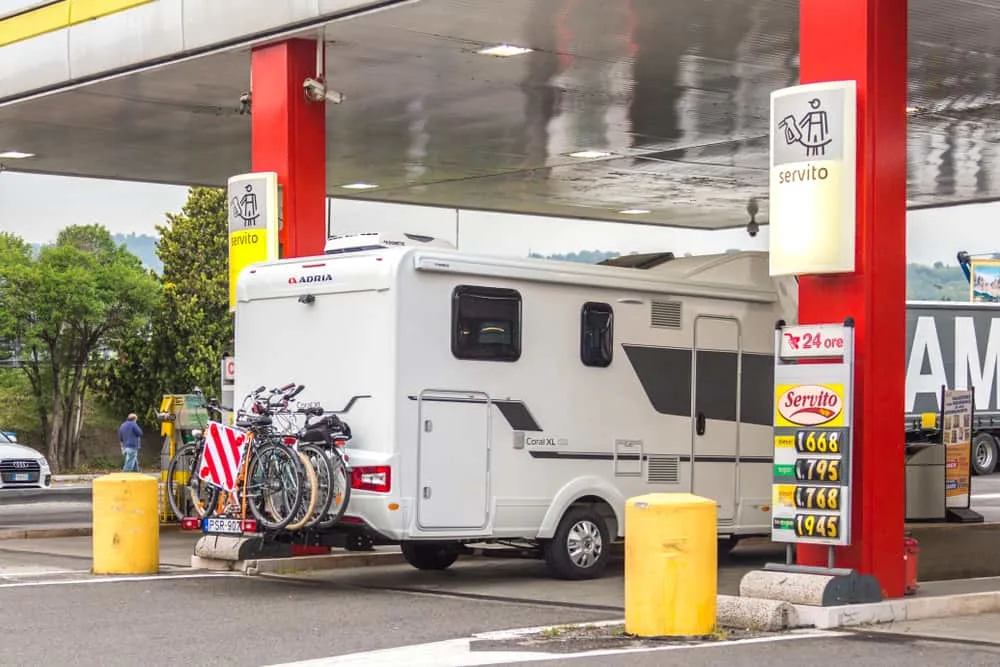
x,y
289,137
865,41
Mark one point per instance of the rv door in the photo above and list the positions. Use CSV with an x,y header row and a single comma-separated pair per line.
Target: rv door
x,y
453,460
715,379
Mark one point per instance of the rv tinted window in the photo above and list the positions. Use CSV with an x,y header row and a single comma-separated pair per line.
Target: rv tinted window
x,y
486,323
596,334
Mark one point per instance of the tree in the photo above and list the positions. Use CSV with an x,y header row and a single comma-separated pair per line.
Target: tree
x,y
66,307
192,327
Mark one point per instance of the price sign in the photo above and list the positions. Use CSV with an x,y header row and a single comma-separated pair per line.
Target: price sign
x,y
820,526
817,442
812,435
817,497
818,470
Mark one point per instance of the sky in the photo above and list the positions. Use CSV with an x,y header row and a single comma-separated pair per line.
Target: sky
x,y
37,207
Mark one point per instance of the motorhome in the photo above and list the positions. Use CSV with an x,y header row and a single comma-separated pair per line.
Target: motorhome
x,y
523,401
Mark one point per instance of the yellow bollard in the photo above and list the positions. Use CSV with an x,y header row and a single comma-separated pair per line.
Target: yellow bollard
x,y
671,555
126,524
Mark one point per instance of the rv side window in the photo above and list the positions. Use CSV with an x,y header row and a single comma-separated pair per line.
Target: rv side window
x,y
486,323
596,334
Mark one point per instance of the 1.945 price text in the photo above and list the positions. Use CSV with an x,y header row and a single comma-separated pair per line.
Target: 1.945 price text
x,y
816,526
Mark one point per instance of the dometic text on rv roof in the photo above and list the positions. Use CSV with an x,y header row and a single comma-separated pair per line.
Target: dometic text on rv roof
x,y
808,405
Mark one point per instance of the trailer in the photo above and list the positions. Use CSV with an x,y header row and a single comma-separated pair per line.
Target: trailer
x,y
954,345
522,401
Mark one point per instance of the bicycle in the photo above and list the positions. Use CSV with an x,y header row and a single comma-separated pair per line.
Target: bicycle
x,y
267,470
327,437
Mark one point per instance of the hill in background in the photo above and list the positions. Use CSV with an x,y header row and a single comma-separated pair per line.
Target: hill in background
x,y
939,282
142,246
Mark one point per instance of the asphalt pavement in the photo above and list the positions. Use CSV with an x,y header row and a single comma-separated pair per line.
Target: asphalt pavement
x,y
855,649
339,617
235,620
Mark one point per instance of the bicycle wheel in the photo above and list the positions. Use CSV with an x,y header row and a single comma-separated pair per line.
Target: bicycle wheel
x,y
273,485
340,489
310,490
324,481
185,489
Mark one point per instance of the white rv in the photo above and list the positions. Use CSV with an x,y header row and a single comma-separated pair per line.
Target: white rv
x,y
524,400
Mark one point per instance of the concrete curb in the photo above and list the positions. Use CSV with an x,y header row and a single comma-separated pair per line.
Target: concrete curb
x,y
63,531
733,611
891,611
38,533
296,564
76,478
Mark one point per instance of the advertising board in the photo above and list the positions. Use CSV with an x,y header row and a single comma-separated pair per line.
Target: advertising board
x,y
811,484
253,223
956,434
812,205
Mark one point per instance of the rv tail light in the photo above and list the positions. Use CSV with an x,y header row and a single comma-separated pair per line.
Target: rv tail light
x,y
372,478
248,526
190,523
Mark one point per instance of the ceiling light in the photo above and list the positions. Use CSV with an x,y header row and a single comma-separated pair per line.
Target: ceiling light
x,y
359,186
15,155
634,211
503,51
590,154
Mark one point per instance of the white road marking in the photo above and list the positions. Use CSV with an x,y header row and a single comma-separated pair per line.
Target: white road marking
x,y
456,652
100,579
8,572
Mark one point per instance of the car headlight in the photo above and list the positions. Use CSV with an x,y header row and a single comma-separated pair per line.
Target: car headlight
x,y
44,464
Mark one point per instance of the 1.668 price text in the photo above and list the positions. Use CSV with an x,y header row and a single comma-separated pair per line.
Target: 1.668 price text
x,y
818,442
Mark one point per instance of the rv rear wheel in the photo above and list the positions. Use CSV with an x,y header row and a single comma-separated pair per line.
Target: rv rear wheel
x,y
984,454
430,555
579,548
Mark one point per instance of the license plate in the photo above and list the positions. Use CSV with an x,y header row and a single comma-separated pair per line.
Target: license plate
x,y
219,525
22,477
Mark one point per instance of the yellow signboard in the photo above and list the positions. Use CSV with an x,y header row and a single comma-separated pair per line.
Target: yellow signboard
x,y
253,223
784,442
797,405
783,495
24,19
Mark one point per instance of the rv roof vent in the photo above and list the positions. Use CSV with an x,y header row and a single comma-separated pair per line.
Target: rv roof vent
x,y
665,314
647,260
361,241
663,470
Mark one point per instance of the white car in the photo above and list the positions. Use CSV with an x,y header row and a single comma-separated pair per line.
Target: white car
x,y
21,466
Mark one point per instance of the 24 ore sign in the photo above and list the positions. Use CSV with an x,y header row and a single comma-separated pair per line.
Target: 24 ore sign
x,y
811,491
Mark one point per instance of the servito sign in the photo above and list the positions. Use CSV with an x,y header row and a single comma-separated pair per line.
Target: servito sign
x,y
808,405
955,347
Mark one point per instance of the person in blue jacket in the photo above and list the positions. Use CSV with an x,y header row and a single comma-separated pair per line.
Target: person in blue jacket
x,y
130,436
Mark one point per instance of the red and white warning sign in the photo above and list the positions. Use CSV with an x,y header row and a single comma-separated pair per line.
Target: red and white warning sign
x,y
222,457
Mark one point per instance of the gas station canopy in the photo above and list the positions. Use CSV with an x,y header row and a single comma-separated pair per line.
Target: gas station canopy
x,y
645,111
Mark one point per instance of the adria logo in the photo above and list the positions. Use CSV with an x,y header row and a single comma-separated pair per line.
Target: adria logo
x,y
810,405
317,278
